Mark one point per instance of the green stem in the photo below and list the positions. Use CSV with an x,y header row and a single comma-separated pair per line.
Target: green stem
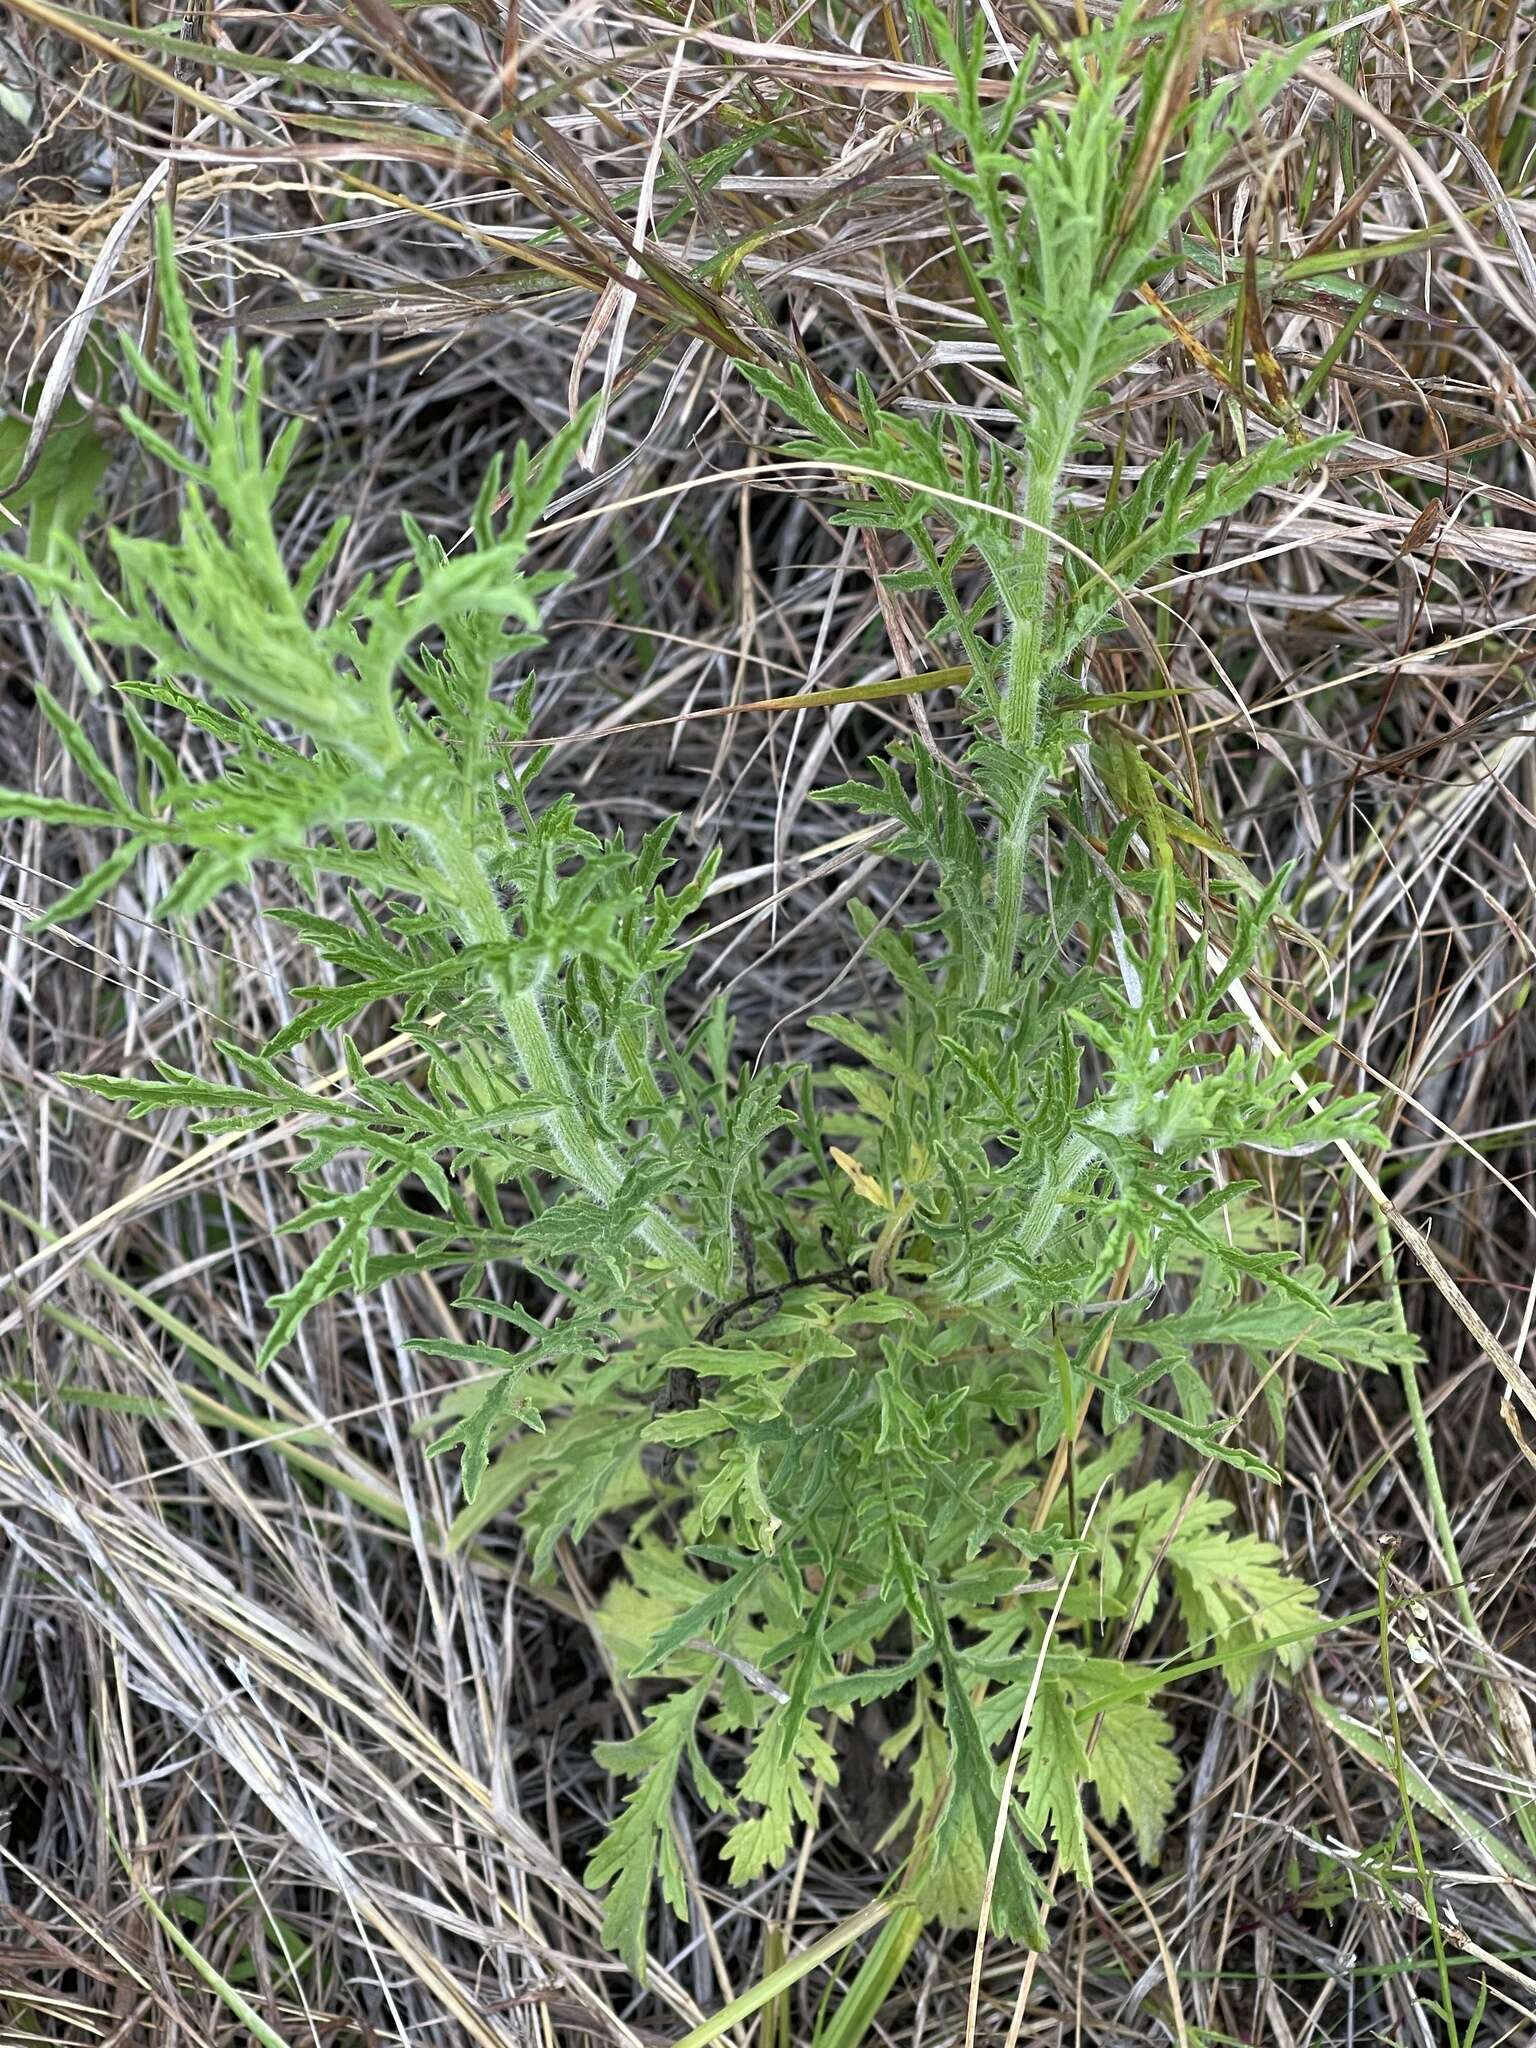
x,y
1410,1819
1010,875
1024,588
477,914
582,1153
1039,1219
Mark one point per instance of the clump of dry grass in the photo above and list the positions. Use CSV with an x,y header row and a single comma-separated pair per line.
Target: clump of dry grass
x,y
264,1736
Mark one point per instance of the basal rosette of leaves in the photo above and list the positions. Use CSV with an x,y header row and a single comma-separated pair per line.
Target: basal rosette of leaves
x,y
889,1362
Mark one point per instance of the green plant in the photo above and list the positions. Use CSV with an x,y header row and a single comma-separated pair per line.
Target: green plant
x,y
867,1353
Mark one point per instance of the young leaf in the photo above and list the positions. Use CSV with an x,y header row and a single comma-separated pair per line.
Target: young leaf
x,y
1055,1768
1134,1771
639,1849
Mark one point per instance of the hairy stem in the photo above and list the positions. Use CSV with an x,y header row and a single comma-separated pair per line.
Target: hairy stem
x,y
1025,593
584,1157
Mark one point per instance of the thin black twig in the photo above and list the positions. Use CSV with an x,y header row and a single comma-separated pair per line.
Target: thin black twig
x,y
684,1387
